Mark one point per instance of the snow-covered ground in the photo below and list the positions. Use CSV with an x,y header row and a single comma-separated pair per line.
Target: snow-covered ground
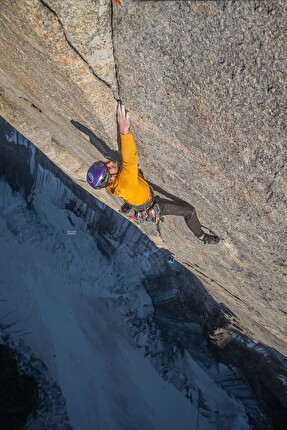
x,y
74,303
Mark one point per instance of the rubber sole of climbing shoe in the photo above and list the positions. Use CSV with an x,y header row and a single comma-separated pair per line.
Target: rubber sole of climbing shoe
x,y
210,239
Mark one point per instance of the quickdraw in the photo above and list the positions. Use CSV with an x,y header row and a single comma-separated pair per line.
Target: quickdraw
x,y
152,214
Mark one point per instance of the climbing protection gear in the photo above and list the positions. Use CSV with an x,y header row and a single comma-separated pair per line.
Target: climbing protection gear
x,y
98,175
153,214
150,212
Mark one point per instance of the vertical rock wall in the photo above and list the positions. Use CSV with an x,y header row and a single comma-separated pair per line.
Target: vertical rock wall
x,y
204,82
48,78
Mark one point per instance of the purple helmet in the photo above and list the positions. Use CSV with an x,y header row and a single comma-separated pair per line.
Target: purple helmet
x,y
98,175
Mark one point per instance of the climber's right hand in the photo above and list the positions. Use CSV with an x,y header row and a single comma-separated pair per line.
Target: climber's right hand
x,y
123,119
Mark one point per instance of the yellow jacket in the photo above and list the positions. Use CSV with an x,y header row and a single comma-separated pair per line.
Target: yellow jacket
x,y
129,183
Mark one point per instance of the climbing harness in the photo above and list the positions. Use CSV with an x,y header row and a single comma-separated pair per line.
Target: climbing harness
x,y
145,206
152,213
148,212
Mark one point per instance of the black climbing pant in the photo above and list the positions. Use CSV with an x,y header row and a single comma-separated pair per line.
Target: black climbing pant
x,y
169,207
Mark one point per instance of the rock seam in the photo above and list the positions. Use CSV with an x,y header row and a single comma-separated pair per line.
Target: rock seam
x,y
81,56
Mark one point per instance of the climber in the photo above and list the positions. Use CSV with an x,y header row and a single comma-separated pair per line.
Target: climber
x,y
127,182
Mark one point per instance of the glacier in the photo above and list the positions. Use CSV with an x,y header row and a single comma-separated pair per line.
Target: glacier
x,y
112,333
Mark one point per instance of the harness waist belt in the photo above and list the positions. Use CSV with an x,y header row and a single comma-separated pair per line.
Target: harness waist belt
x,y
145,206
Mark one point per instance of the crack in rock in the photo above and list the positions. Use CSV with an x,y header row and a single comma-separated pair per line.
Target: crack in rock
x,y
114,92
114,52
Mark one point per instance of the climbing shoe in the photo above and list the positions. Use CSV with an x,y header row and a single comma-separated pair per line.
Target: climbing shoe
x,y
210,239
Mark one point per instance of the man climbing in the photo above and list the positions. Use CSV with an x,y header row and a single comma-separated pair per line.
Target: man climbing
x,y
129,184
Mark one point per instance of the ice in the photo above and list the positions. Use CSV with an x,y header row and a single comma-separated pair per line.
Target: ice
x,y
82,292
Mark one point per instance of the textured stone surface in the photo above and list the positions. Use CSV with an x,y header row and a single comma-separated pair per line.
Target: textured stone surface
x,y
205,83
45,84
87,26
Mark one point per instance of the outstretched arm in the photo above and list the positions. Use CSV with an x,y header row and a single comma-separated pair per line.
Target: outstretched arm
x,y
123,119
128,146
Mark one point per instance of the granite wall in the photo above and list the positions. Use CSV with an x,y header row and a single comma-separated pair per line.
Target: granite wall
x,y
205,84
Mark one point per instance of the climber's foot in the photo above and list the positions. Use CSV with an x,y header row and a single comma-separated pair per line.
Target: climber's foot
x,y
209,239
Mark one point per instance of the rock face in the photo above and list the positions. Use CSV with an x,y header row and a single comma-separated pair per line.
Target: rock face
x,y
204,82
168,312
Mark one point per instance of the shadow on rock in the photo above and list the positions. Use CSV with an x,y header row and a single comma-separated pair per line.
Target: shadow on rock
x,y
98,143
18,393
182,308
264,368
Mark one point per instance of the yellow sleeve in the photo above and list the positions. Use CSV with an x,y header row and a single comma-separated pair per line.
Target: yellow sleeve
x,y
129,154
128,184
